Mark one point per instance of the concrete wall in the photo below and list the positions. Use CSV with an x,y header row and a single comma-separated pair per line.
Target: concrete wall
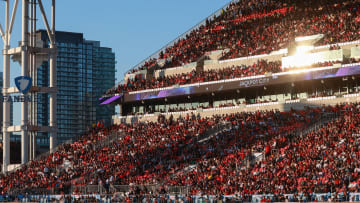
x,y
174,71
240,61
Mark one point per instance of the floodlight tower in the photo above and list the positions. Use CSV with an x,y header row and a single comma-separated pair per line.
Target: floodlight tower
x,y
30,54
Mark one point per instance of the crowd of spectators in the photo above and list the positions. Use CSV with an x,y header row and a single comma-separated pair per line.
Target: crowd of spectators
x,y
270,26
322,161
139,83
55,170
81,163
175,153
251,27
261,67
257,28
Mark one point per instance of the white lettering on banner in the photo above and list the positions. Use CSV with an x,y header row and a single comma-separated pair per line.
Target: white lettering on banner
x,y
16,98
254,82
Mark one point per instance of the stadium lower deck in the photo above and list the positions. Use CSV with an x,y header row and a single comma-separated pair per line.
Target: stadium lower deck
x,y
306,154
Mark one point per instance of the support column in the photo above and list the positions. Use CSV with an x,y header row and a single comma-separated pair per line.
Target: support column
x,y
34,146
34,78
33,68
30,135
52,101
53,81
6,85
30,115
24,72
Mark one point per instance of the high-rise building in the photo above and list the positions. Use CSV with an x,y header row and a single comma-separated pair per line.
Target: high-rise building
x,y
85,70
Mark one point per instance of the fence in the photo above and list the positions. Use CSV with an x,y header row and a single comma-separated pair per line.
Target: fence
x,y
169,198
213,131
153,189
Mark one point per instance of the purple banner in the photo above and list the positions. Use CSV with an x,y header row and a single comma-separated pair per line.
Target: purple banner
x,y
111,99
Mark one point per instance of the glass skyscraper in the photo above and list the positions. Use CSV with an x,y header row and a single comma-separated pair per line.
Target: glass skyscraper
x,y
85,70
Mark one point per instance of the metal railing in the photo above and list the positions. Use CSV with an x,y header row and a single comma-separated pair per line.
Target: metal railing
x,y
153,189
17,191
88,189
324,119
108,140
213,131
119,197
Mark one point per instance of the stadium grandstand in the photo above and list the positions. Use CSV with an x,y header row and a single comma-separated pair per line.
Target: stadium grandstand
x,y
258,103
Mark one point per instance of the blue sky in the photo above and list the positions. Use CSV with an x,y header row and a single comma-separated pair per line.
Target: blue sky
x,y
133,29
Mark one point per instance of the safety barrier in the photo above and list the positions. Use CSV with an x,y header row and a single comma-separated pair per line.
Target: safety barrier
x,y
171,198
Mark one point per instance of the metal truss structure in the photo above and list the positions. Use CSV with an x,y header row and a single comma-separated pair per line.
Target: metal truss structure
x,y
30,54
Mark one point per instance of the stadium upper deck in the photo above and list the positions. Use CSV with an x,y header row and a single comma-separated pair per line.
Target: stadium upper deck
x,y
256,27
261,27
270,29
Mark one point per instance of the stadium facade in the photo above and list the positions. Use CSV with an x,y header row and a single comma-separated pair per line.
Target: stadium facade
x,y
85,70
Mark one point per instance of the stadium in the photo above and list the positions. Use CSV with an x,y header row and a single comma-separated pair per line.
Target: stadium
x,y
260,102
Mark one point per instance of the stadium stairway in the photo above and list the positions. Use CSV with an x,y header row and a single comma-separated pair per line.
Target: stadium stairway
x,y
200,64
213,131
220,127
108,140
